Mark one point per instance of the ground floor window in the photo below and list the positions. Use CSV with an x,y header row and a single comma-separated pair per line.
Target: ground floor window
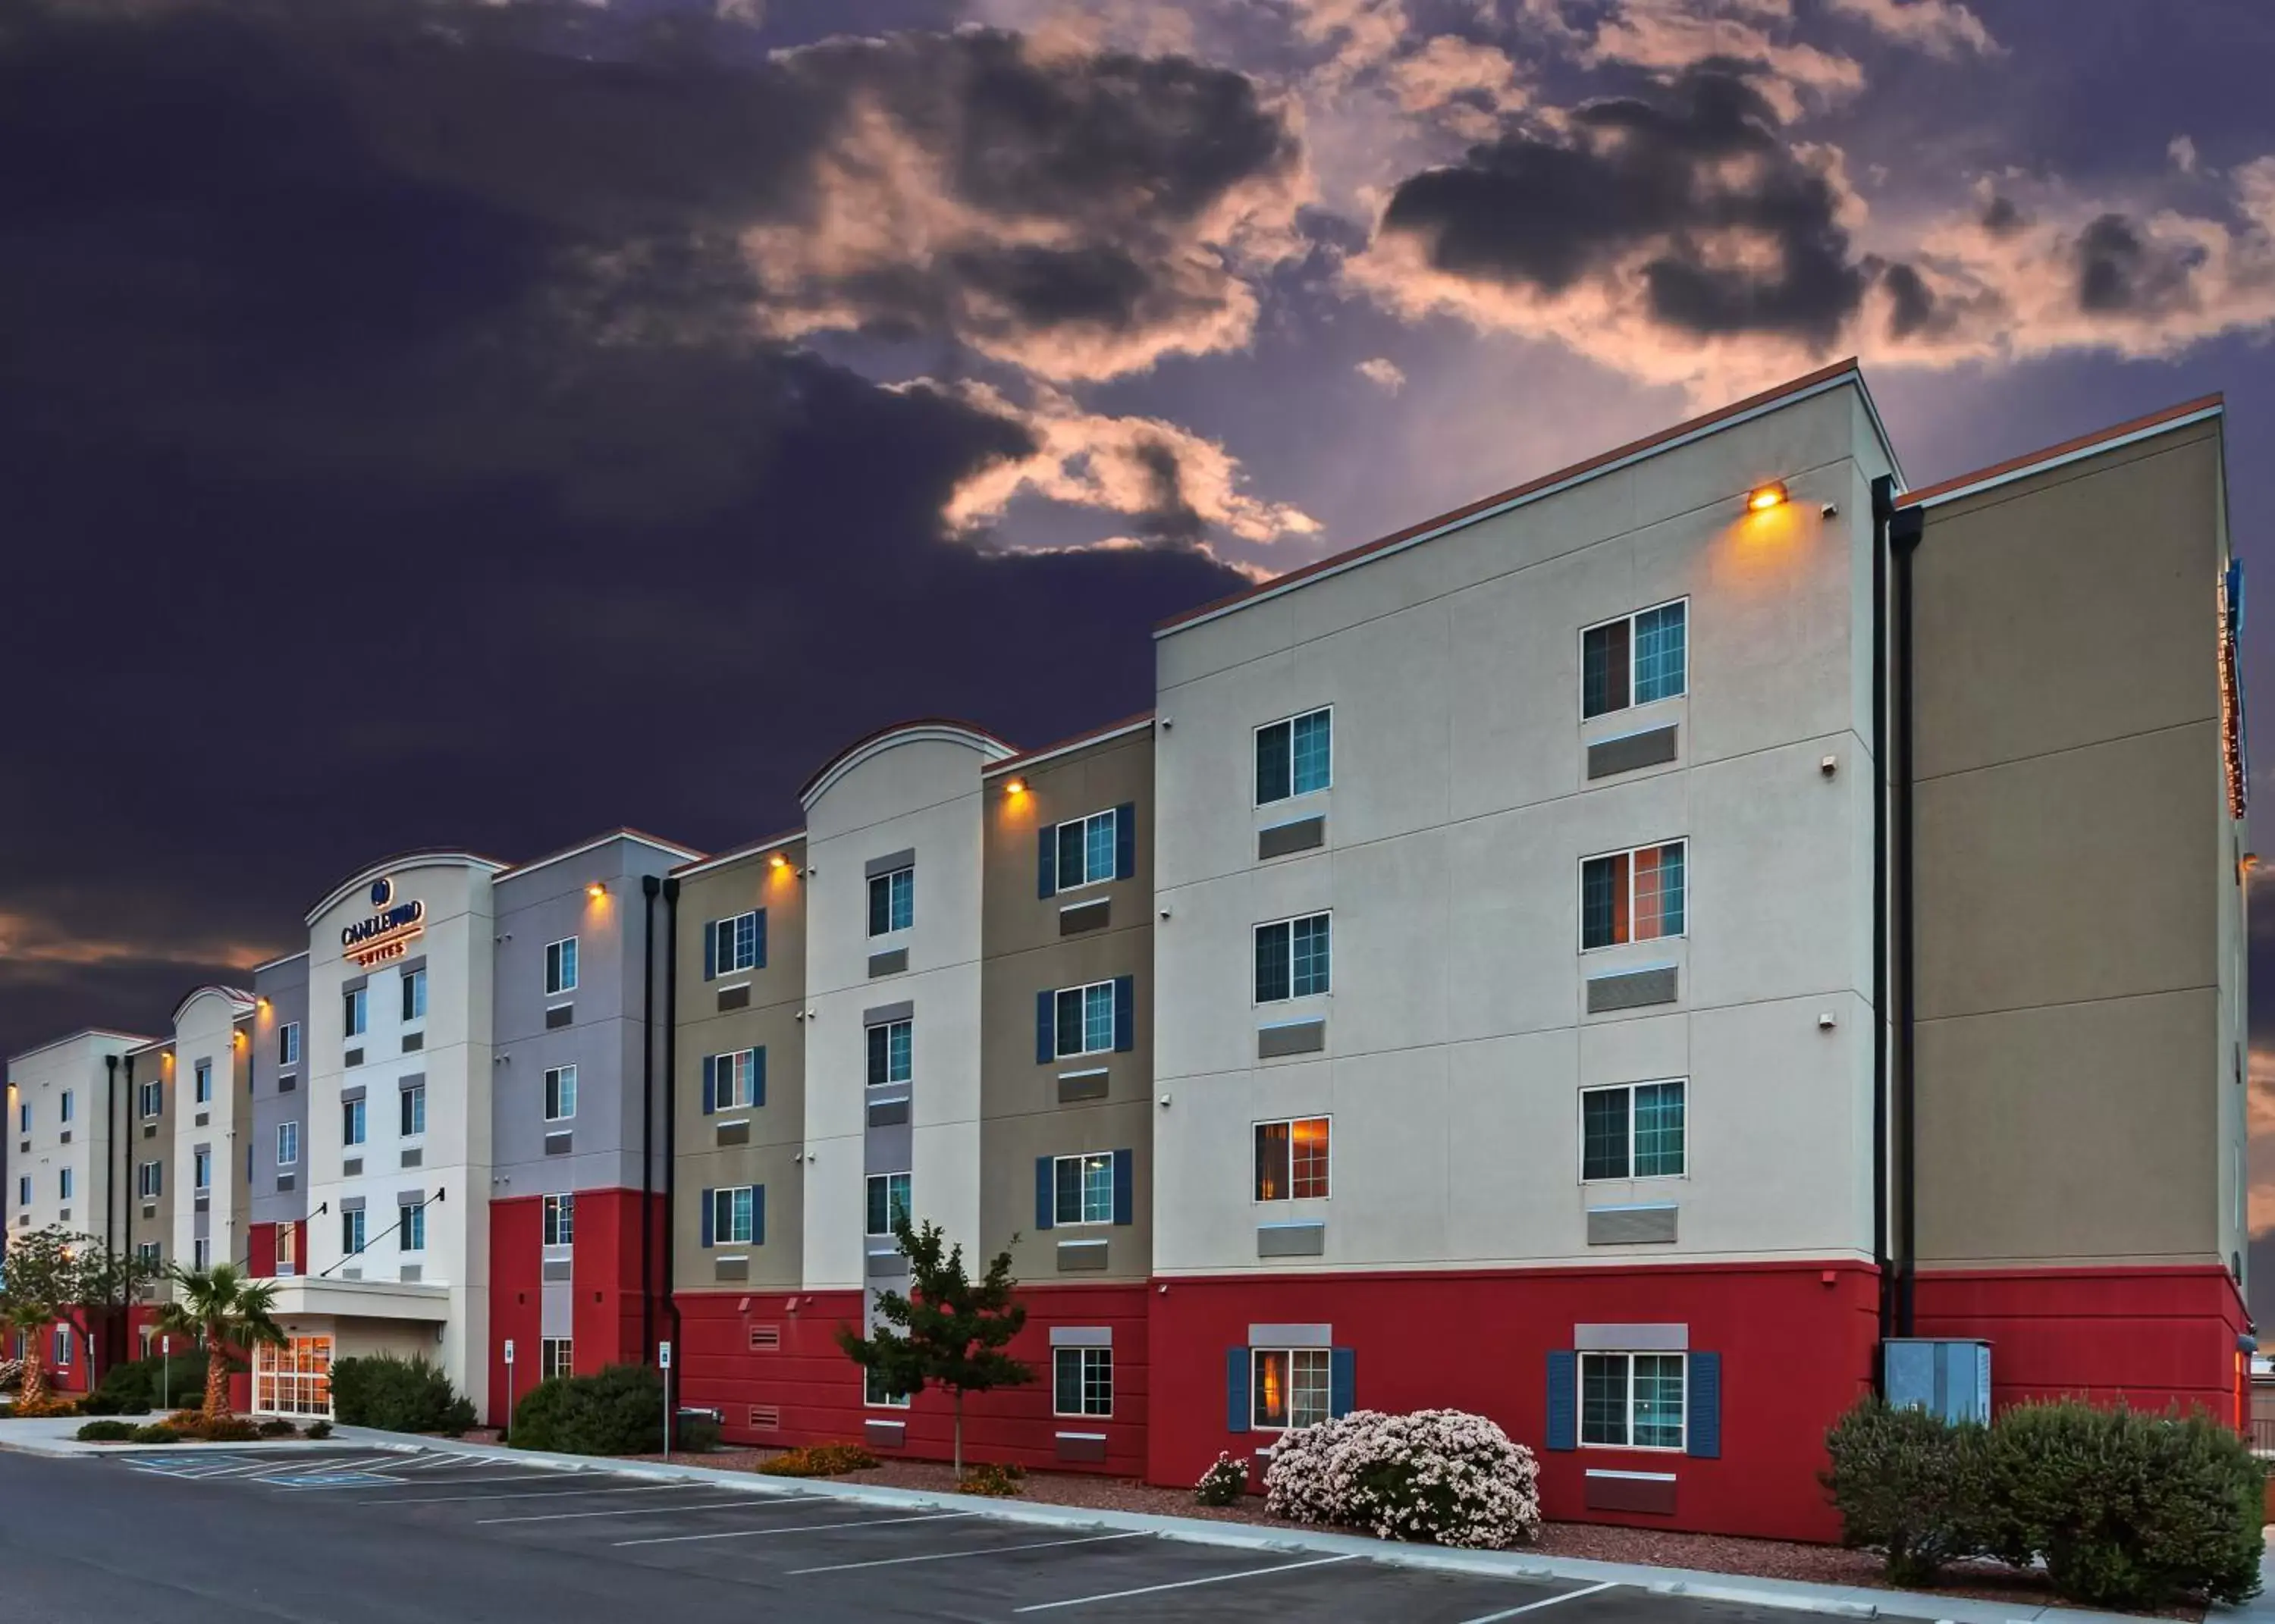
x,y
1290,1387
1632,1400
557,1356
1082,1381
62,1346
295,1379
873,1392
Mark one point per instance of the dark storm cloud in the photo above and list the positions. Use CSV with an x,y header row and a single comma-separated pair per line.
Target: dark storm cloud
x,y
2118,269
2001,218
1649,187
386,461
1911,302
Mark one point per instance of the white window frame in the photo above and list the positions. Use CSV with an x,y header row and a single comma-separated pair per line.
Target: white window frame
x,y
149,1179
889,1028
288,1044
734,1074
201,1082
355,1012
202,1253
561,966
1256,789
558,1221
908,1206
874,1397
728,934
1628,1415
1631,1175
733,1202
353,1219
152,1255
886,879
1291,921
64,1183
63,1344
1629,852
151,1100
1289,1122
355,1123
556,1355
1111,817
1082,1190
415,1098
1058,1027
1631,616
414,980
64,1115
410,1226
560,1082
1256,1355
287,1145
1084,1358
200,1170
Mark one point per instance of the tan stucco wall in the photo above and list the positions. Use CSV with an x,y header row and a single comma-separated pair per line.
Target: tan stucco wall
x,y
2073,866
159,1226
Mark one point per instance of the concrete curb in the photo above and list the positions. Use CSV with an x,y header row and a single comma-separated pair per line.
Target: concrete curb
x,y
1785,1594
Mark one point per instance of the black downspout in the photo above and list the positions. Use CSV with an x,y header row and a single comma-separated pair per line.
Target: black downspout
x,y
672,1105
1884,503
109,1231
649,885
1905,528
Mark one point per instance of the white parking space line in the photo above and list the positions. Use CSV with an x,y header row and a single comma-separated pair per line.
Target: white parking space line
x,y
795,1527
534,1494
1186,1584
753,1501
297,1468
1534,1606
951,1556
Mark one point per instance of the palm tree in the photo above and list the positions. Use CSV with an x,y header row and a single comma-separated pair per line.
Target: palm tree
x,y
231,1311
29,1320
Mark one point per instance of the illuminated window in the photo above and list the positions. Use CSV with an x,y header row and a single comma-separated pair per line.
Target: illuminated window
x,y
1291,1159
561,966
892,901
559,1093
295,1379
1082,1381
555,1357
1084,1019
1635,895
355,1012
1086,849
414,994
1292,958
1083,1188
1289,1387
892,1052
1632,1400
1634,1130
1294,756
1634,659
888,1200
560,1220
287,1250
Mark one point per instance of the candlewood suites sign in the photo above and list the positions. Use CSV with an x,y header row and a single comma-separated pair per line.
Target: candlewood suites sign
x,y
389,930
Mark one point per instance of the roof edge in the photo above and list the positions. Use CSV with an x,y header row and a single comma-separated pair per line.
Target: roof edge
x,y
1045,753
240,1001
431,856
136,1038
869,743
756,849
687,854
2181,415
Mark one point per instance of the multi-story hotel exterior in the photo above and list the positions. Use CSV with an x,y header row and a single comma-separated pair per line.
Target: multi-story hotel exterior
x,y
1610,958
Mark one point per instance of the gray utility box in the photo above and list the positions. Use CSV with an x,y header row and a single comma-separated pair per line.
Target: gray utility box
x,y
1951,1379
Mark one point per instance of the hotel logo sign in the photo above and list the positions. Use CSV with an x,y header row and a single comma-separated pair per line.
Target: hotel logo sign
x,y
389,930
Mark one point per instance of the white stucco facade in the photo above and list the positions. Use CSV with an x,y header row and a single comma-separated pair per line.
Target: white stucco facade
x,y
47,1147
1457,1037
207,1134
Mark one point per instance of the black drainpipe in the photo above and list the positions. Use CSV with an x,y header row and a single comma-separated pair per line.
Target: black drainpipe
x,y
649,885
672,1105
97,1346
1905,528
1884,503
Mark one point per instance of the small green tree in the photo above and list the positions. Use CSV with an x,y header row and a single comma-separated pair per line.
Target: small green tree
x,y
231,1311
48,1275
950,1331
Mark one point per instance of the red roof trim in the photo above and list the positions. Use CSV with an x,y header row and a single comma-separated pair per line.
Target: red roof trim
x,y
2067,448
866,739
1824,375
1010,763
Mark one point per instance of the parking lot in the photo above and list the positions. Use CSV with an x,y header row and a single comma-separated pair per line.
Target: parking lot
x,y
457,1536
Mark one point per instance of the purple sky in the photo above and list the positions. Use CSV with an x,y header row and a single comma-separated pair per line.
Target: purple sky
x,y
440,422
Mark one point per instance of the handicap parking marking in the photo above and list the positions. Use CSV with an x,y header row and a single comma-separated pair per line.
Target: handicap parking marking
x,y
319,1478
184,1465
1186,1584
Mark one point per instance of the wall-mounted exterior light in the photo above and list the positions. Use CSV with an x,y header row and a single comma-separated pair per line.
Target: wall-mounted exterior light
x,y
1015,786
1762,498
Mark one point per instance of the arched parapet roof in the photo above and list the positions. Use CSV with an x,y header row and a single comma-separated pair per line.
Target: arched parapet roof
x,y
940,729
436,859
240,1001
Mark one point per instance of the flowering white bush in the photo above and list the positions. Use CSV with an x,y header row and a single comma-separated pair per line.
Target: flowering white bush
x,y
1442,1476
1224,1483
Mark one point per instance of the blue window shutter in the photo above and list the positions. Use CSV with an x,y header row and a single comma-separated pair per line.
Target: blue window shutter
x,y
758,1076
1342,1380
1125,841
1236,1389
1703,1434
1046,1192
1563,1401
762,938
710,950
1047,861
758,1215
1046,1032
710,1083
1126,1186
1126,1013
706,1218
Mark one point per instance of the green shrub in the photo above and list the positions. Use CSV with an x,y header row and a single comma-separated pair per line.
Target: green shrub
x,y
1912,1486
319,1429
105,1432
998,1481
618,1411
819,1460
1224,1483
397,1395
137,1386
157,1432
698,1432
279,1427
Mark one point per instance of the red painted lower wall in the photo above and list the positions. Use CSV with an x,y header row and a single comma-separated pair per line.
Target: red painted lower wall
x,y
2149,1338
517,1299
818,1391
606,1317
1796,1344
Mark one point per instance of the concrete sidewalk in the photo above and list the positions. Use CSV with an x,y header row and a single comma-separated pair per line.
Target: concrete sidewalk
x,y
52,1436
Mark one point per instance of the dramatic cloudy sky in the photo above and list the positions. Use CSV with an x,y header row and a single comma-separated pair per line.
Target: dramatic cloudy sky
x,y
482,422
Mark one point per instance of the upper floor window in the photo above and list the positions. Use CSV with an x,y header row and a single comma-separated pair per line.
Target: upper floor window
x,y
560,1220
1294,756
411,1108
24,1189
63,1111
734,1081
731,1216
150,1180
888,1201
1291,1159
24,1116
288,1044
1291,958
561,966
201,1169
1632,896
203,1083
736,943
351,1231
1083,1188
356,1012
1084,1020
892,1052
559,1093
288,1250
202,1253
352,1122
149,1254
151,1097
1632,1400
414,994
287,1145
1634,659
1086,851
892,901
413,1227
64,1184
1634,1130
